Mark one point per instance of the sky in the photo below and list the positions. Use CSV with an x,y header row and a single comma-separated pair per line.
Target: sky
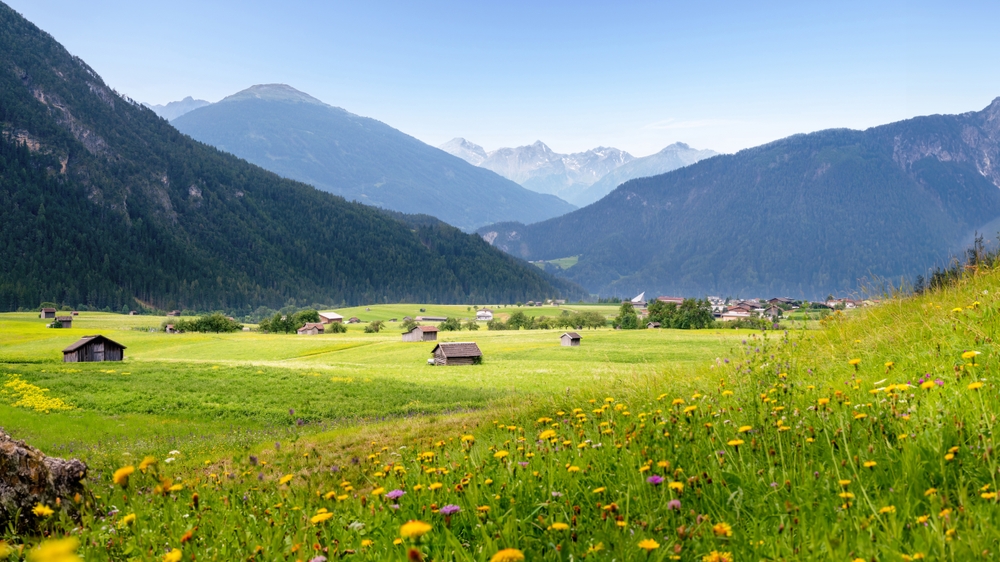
x,y
576,75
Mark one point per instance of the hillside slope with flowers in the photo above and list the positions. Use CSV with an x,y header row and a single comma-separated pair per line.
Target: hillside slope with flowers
x,y
872,438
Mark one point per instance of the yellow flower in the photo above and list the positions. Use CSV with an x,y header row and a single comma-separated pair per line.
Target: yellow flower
x,y
722,529
573,469
989,496
366,543
378,491
716,556
435,486
599,490
676,486
844,482
468,439
888,509
500,454
930,491
969,354
975,385
320,517
128,520
508,555
121,475
927,384
855,362
727,392
846,496
744,429
735,442
860,416
648,545
5,550
42,510
559,526
414,529
286,479
823,401
173,556
483,508
547,434
869,464
889,364
59,550
146,463
677,402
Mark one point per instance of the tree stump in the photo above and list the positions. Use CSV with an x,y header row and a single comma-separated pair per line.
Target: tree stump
x,y
29,478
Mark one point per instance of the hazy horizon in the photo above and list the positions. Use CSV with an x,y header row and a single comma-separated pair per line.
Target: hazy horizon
x,y
636,77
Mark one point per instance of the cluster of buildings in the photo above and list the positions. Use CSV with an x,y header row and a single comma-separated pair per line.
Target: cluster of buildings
x,y
730,309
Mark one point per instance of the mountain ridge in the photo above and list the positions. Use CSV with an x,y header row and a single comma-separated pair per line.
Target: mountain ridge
x,y
103,203
802,216
300,137
581,177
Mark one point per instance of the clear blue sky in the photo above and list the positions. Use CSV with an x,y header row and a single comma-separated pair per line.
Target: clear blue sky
x,y
636,75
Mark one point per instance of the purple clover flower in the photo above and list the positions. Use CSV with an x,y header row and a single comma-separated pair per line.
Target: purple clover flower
x,y
655,480
450,509
395,494
674,504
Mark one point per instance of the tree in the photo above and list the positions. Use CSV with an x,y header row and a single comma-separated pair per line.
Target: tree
x,y
450,325
374,326
336,328
471,325
409,324
627,319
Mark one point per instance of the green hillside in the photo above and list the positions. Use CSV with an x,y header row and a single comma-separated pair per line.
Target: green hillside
x,y
102,202
805,216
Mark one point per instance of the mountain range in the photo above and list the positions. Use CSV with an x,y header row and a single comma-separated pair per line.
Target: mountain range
x,y
803,216
580,178
175,109
104,203
297,136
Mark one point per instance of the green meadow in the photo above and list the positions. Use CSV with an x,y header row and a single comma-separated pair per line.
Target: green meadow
x,y
221,387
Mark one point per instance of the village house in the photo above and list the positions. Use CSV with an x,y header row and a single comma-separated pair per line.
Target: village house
x,y
676,300
47,313
94,348
457,353
734,314
773,312
570,339
310,329
421,333
484,315
639,301
329,317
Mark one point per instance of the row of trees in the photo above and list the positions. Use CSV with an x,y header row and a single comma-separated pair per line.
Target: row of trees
x,y
215,323
567,320
690,314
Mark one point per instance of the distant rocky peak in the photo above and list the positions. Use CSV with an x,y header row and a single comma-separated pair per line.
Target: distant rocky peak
x,y
273,92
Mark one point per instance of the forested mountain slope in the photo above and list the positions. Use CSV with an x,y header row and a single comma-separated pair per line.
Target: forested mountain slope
x,y
103,202
297,136
803,216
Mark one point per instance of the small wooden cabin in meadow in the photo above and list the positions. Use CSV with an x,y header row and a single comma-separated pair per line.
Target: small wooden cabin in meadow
x,y
457,353
354,320
570,339
651,325
174,313
310,329
170,329
47,313
94,348
421,333
330,317
65,321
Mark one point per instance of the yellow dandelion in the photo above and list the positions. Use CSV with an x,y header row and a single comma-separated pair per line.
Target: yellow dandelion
x,y
42,510
173,556
722,529
744,429
58,550
888,509
414,529
648,545
121,475
975,385
869,464
500,454
508,555
559,526
735,442
286,479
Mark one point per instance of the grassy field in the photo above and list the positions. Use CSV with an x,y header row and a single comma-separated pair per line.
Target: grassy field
x,y
217,386
872,437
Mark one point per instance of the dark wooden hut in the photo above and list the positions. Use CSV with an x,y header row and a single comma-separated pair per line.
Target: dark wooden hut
x,y
65,321
47,313
94,348
457,353
421,333
570,339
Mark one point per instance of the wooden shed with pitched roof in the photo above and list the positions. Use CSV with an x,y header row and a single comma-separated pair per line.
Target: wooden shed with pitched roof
x,y
457,353
570,339
94,348
421,333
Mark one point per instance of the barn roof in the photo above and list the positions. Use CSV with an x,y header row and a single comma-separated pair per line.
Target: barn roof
x,y
572,335
64,318
87,339
48,310
422,329
331,315
458,349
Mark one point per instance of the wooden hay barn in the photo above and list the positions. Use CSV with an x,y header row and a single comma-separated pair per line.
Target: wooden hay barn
x,y
47,313
570,339
330,317
652,325
421,333
94,348
65,321
457,353
311,329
